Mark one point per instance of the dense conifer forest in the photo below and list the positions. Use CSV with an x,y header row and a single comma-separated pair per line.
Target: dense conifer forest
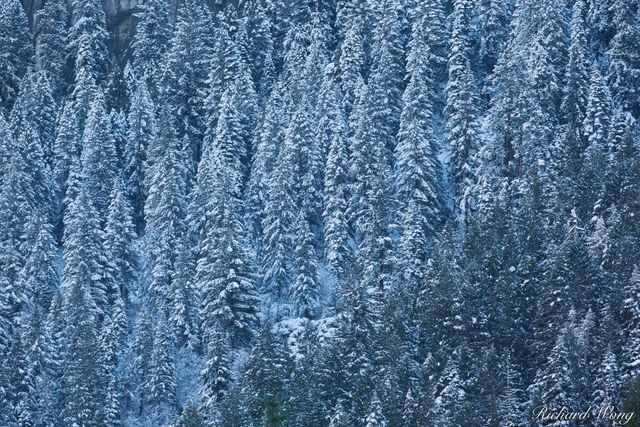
x,y
320,213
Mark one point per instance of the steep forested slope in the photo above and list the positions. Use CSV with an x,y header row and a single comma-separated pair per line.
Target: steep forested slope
x,y
319,213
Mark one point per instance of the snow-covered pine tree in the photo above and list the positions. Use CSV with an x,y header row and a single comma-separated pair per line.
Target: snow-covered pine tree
x,y
165,210
30,144
99,157
621,130
418,172
16,51
620,259
631,326
570,279
108,411
494,18
120,325
375,418
624,65
86,260
354,337
67,148
262,51
295,51
313,72
307,403
574,101
221,69
597,123
340,417
13,297
450,393
386,80
555,381
410,409
228,138
161,385
38,361
265,378
191,416
224,271
184,74
24,193
53,343
119,237
119,131
216,376
142,349
551,41
80,375
141,123
35,108
39,276
6,142
352,24
151,42
243,93
305,158
599,18
199,18
511,406
268,141
87,51
369,204
277,237
198,218
21,380
304,287
607,385
53,20
462,113
336,196
118,90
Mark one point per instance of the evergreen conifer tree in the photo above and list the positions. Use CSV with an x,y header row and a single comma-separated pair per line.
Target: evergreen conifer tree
x,y
631,326
624,67
191,417
574,101
99,157
266,378
151,42
16,53
161,385
119,237
216,375
141,131
462,112
336,198
53,20
81,380
304,290
85,257
224,271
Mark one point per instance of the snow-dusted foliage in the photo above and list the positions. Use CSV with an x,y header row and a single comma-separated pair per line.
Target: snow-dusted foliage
x,y
336,213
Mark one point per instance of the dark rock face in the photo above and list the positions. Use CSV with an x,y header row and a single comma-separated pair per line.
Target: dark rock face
x,y
121,24
31,6
120,21
112,8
